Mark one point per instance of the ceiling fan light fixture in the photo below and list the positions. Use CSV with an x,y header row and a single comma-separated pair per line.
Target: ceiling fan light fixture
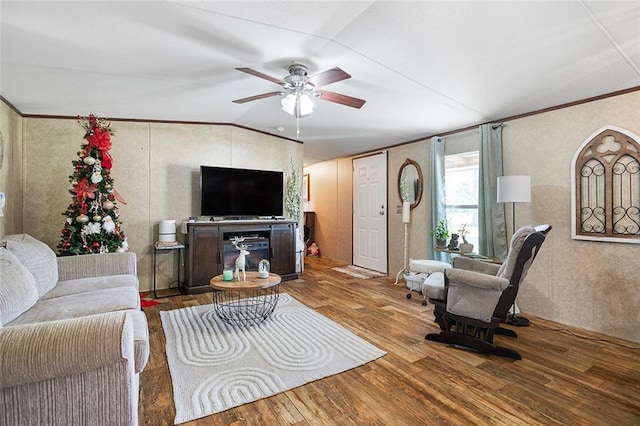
x,y
299,89
302,101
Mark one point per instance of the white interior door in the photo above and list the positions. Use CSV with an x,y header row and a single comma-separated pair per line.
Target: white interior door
x,y
370,212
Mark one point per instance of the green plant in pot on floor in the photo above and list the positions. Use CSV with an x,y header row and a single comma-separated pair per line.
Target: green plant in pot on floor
x,y
441,233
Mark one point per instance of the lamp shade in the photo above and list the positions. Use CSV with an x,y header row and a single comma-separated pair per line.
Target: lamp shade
x,y
514,189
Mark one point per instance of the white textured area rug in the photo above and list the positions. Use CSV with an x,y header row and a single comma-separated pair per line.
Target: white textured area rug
x,y
215,366
358,272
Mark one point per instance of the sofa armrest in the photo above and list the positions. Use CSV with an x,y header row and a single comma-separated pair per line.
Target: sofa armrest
x,y
37,352
96,265
481,266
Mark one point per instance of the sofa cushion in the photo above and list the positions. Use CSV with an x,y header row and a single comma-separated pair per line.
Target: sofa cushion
x,y
18,290
80,305
37,257
86,285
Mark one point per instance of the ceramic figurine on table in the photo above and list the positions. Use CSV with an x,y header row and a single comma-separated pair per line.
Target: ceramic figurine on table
x,y
263,268
453,244
241,260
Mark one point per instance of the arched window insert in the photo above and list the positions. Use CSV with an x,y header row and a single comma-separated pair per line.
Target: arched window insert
x,y
606,187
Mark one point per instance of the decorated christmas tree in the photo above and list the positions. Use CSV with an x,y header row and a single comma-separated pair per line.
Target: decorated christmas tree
x,y
93,224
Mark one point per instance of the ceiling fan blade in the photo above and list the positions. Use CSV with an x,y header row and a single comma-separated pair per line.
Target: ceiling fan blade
x,y
341,99
327,77
261,75
256,97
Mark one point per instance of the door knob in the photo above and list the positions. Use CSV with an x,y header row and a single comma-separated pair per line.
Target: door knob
x,y
381,213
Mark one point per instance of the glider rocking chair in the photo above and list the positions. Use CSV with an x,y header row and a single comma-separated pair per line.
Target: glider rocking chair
x,y
474,297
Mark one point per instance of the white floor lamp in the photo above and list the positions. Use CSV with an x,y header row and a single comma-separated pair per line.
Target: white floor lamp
x,y
406,218
514,189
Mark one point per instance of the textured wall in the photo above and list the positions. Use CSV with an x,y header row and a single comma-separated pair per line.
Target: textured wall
x,y
156,170
11,170
589,284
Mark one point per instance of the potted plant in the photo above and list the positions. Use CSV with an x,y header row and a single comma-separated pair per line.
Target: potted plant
x,y
441,233
465,247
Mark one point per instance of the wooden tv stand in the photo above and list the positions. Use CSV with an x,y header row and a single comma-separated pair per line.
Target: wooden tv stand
x,y
208,248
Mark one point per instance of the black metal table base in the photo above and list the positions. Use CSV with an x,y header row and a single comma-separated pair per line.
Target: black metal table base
x,y
245,307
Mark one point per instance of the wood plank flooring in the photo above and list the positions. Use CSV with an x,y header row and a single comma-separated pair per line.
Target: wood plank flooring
x,y
563,379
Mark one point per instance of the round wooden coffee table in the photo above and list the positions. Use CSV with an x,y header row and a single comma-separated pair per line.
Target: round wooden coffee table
x,y
247,302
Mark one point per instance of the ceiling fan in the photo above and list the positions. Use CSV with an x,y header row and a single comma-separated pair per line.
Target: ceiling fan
x,y
299,89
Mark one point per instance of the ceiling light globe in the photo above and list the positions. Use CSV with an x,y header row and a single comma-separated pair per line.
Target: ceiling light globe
x,y
306,105
288,103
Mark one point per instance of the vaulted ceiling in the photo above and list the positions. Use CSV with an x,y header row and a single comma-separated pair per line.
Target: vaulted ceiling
x,y
423,67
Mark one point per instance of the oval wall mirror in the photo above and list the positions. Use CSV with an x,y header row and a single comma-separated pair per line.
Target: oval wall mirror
x,y
410,182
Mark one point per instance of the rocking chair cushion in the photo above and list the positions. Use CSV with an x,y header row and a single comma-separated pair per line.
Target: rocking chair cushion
x,y
473,295
477,279
472,302
476,265
517,240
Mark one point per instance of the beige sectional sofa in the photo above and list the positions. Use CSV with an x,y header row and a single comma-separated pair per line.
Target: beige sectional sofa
x,y
73,339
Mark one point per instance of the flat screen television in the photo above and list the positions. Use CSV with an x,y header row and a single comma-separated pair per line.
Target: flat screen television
x,y
236,193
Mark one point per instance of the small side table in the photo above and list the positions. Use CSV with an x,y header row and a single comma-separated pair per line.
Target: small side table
x,y
160,247
244,303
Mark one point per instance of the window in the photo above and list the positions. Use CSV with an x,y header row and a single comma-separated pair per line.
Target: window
x,y
461,188
606,188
